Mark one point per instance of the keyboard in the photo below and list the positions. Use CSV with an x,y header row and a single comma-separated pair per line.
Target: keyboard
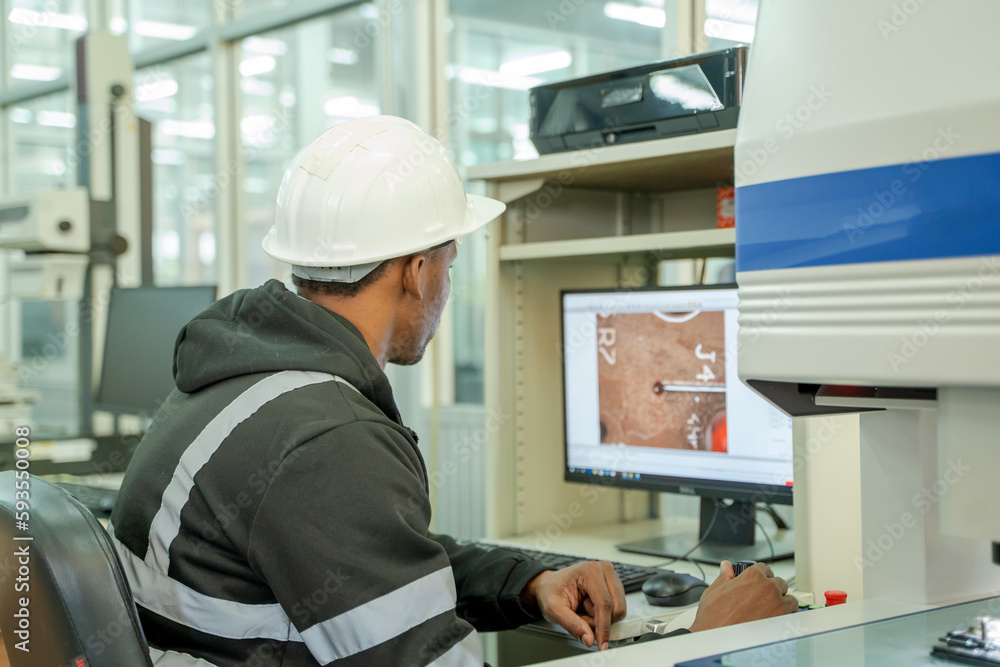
x,y
97,499
632,576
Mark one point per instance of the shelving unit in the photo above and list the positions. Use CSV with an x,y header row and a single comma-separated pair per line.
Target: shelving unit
x,y
583,219
697,243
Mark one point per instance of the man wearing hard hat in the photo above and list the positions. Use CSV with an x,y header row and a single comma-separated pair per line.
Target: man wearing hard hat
x,y
277,511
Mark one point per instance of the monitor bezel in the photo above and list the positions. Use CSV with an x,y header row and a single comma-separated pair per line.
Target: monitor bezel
x,y
100,399
704,488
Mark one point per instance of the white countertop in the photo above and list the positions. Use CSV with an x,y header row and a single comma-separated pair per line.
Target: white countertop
x,y
599,544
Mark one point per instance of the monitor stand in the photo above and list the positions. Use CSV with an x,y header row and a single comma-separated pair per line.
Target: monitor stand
x,y
734,535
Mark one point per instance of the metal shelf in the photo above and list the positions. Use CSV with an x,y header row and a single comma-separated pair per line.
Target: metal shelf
x,y
702,242
678,163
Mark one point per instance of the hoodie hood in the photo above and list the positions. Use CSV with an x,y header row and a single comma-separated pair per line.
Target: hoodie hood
x,y
270,329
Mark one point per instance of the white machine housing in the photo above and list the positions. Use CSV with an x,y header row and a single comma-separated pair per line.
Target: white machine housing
x,y
54,276
53,221
868,259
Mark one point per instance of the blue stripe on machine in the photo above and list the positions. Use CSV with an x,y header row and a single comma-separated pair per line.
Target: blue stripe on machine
x,y
918,210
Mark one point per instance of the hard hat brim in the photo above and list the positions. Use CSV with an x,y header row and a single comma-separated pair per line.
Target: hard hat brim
x,y
480,211
483,210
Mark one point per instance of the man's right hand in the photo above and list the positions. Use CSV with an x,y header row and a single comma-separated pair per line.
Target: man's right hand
x,y
756,593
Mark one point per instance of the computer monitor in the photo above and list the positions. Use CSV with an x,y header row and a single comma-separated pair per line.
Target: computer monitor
x,y
143,324
653,401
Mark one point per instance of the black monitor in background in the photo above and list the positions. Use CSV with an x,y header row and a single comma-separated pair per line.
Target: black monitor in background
x,y
143,324
652,401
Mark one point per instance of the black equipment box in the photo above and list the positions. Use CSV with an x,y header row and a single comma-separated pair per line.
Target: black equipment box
x,y
699,93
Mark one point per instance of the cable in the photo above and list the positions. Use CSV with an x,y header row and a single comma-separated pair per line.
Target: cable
x,y
770,544
768,509
704,538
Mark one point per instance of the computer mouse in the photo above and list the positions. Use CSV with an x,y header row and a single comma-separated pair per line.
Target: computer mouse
x,y
673,589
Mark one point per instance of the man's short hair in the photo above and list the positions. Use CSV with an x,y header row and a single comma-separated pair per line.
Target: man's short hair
x,y
351,290
341,290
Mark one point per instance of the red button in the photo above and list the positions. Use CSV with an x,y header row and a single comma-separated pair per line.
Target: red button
x,y
835,597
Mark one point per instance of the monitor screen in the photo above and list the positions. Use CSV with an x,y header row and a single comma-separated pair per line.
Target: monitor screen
x,y
143,323
653,400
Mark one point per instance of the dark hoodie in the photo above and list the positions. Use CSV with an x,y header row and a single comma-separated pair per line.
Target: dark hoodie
x,y
277,512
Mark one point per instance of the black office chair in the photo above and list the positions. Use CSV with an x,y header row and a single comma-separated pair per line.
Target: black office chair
x,y
79,603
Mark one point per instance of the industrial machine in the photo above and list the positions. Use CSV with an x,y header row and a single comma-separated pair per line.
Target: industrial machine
x,y
868,258
80,241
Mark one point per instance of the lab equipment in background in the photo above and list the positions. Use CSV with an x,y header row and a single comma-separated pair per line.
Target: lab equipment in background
x,y
80,241
978,645
699,93
15,403
55,221
143,324
48,277
652,401
868,260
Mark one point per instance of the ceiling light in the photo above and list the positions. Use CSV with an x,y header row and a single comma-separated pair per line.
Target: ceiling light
x,y
155,90
165,105
526,64
735,32
169,156
168,244
257,65
35,19
252,86
257,123
118,25
193,129
485,77
342,56
34,72
22,116
165,30
349,107
57,118
738,11
270,47
651,16
206,248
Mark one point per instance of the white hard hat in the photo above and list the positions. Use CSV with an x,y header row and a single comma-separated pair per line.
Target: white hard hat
x,y
369,190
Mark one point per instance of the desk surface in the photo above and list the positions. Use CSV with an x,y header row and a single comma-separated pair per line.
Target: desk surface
x,y
710,642
599,544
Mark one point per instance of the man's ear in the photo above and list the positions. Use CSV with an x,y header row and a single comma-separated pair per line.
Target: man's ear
x,y
413,274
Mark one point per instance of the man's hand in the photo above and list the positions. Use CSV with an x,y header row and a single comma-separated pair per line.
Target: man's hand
x,y
756,593
585,598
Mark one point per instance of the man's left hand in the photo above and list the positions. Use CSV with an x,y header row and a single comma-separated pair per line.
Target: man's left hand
x,y
585,598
